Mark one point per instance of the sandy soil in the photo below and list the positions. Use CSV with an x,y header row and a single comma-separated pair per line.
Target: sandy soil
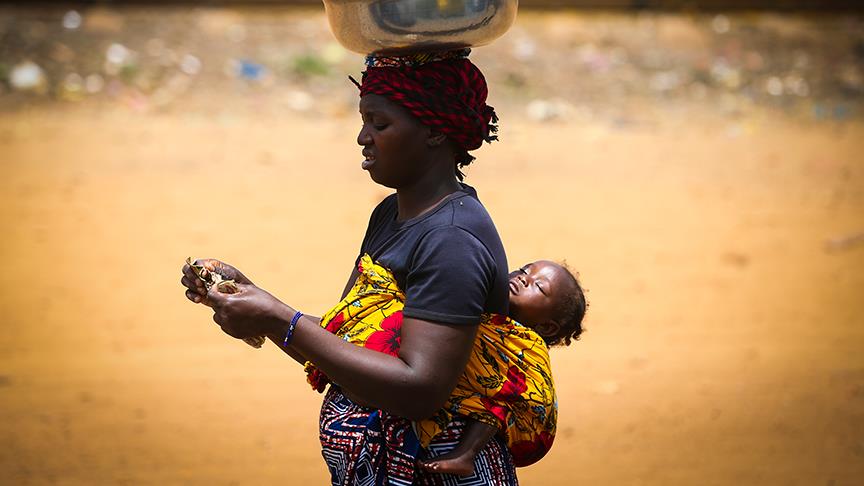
x,y
723,257
725,325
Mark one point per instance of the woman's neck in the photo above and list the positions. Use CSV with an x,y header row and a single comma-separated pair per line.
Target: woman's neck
x,y
421,197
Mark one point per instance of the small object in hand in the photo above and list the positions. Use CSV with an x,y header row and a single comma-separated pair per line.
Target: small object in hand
x,y
223,285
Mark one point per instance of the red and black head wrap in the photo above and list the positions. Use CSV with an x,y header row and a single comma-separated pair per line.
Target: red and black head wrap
x,y
445,91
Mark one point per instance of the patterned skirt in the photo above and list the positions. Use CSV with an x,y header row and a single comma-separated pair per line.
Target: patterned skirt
x,y
364,446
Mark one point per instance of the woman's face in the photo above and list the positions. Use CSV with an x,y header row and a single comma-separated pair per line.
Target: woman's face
x,y
394,142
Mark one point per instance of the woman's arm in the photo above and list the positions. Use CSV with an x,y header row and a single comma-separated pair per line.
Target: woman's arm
x,y
291,351
414,385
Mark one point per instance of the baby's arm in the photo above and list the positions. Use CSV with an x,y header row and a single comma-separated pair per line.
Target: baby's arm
x,y
460,461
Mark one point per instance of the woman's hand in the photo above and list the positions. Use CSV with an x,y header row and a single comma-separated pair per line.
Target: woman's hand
x,y
195,289
249,312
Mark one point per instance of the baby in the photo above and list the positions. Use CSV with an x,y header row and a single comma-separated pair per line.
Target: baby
x,y
547,298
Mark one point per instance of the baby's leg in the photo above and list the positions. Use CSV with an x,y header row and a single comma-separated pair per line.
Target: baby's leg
x,y
460,461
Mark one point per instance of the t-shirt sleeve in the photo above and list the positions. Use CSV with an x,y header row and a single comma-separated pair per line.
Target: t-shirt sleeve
x,y
449,279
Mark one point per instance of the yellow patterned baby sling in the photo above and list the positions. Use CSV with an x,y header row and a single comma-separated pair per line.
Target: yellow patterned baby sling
x,y
507,382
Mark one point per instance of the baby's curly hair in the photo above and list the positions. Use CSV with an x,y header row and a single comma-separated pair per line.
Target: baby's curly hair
x,y
571,310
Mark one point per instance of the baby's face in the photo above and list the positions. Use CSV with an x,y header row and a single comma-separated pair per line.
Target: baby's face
x,y
536,289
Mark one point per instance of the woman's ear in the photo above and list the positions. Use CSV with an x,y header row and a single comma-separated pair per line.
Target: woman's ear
x,y
548,329
436,138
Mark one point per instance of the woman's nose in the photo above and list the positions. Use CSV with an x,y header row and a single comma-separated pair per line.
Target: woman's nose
x,y
363,138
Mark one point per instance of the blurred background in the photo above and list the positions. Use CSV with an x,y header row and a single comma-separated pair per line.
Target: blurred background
x,y
699,163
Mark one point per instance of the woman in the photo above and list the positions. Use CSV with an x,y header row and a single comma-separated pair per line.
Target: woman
x,y
421,116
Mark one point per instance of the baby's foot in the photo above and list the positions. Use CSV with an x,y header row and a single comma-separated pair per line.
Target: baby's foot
x,y
460,465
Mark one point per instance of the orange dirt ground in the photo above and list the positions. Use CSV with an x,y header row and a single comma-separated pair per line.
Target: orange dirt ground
x,y
724,268
725,329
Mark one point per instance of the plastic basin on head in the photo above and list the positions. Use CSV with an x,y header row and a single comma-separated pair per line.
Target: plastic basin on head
x,y
408,26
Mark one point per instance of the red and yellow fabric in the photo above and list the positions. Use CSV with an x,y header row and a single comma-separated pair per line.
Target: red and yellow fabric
x,y
507,382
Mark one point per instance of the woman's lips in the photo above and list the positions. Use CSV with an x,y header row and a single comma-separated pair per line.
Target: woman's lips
x,y
368,160
514,289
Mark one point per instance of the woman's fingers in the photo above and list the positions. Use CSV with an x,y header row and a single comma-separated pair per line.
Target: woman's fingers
x,y
193,284
191,281
194,297
187,271
208,263
216,297
212,265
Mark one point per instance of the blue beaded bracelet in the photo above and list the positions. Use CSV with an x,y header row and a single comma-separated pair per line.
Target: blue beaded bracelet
x,y
290,333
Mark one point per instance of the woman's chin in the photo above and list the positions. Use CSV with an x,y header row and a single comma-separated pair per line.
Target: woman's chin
x,y
376,178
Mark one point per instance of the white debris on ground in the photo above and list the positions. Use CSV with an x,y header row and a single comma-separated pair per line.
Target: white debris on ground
x,y
549,67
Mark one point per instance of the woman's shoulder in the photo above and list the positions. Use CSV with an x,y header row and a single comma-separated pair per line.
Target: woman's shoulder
x,y
465,231
468,213
384,210
387,202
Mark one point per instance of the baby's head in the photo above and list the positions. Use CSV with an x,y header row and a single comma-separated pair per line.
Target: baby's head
x,y
547,297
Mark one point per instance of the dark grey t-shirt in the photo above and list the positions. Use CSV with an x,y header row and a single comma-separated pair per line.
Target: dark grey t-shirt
x,y
449,262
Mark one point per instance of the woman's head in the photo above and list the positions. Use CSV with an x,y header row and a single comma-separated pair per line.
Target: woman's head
x,y
445,92
548,298
397,149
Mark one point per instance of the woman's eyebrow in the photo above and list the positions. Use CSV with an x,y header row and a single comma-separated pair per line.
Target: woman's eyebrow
x,y
372,113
